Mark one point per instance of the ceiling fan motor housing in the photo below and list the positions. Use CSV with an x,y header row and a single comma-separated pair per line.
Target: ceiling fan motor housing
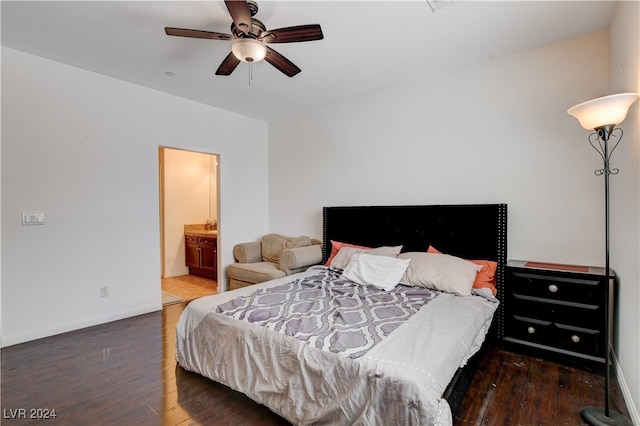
x,y
253,7
257,28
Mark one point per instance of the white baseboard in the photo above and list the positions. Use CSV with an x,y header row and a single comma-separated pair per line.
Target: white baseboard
x,y
174,274
628,399
14,339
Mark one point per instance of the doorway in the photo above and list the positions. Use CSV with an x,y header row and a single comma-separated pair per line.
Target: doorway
x,y
189,188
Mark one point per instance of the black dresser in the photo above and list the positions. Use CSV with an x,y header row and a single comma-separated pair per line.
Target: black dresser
x,y
557,310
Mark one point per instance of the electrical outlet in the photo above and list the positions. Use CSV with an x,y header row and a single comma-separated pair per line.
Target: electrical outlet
x,y
104,291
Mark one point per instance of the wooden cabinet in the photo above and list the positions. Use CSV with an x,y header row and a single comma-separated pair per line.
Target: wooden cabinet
x,y
201,255
192,252
208,254
558,310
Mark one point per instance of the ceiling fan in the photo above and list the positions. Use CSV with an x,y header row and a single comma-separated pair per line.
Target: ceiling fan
x,y
250,37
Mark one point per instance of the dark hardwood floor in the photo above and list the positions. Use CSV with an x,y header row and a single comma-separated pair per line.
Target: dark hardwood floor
x,y
124,373
514,389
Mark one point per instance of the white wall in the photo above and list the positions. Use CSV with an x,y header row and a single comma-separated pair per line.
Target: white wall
x,y
83,149
187,193
625,199
494,132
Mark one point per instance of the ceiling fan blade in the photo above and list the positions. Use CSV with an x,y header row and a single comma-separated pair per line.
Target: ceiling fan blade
x,y
182,32
228,65
281,63
239,11
293,34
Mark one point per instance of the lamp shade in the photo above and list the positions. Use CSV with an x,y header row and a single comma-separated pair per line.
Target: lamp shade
x,y
606,111
248,49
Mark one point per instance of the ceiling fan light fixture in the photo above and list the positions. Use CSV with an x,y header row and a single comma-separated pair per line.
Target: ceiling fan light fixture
x,y
248,49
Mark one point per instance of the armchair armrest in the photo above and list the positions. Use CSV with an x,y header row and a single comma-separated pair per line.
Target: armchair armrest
x,y
297,259
248,252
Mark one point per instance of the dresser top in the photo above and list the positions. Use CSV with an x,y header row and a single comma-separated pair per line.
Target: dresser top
x,y
547,266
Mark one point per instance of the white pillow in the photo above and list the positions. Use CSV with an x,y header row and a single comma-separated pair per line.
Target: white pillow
x,y
440,272
342,258
380,271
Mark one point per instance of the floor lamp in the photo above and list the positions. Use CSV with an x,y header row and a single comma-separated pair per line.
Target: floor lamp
x,y
602,115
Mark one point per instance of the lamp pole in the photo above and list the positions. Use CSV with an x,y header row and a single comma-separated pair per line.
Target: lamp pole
x,y
596,416
604,133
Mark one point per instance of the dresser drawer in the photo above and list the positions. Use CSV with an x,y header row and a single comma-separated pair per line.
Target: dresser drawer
x,y
578,290
582,340
208,241
556,336
572,313
530,330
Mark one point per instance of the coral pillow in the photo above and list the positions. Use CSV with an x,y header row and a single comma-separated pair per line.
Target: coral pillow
x,y
335,248
486,277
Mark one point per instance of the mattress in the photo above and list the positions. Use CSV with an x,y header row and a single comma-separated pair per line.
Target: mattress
x,y
399,380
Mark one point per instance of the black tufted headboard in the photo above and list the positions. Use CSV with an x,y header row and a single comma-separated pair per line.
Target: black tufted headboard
x,y
470,231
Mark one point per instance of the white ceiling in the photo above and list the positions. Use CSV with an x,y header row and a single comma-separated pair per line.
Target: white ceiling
x,y
368,45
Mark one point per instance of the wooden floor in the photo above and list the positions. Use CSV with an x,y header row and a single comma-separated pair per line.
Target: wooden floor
x,y
514,389
124,373
189,287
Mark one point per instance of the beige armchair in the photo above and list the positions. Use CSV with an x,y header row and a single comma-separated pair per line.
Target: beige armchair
x,y
274,256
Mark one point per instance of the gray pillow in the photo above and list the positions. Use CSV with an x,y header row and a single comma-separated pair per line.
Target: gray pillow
x,y
440,272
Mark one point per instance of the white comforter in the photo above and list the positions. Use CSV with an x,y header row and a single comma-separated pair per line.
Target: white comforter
x,y
399,381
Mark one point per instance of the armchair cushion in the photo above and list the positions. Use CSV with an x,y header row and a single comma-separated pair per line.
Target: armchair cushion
x,y
248,252
253,273
273,245
300,258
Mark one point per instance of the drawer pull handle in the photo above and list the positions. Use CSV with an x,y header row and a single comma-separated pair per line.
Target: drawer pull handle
x,y
575,339
553,288
531,330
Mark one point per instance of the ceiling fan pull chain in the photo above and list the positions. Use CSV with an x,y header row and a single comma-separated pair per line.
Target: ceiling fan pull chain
x,y
250,72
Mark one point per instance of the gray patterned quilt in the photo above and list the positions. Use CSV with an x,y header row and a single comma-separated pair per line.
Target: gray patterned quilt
x,y
334,377
330,313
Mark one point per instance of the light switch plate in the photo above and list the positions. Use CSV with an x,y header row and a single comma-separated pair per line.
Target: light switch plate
x,y
32,219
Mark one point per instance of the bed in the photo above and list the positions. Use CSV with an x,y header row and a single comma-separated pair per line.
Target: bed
x,y
319,348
